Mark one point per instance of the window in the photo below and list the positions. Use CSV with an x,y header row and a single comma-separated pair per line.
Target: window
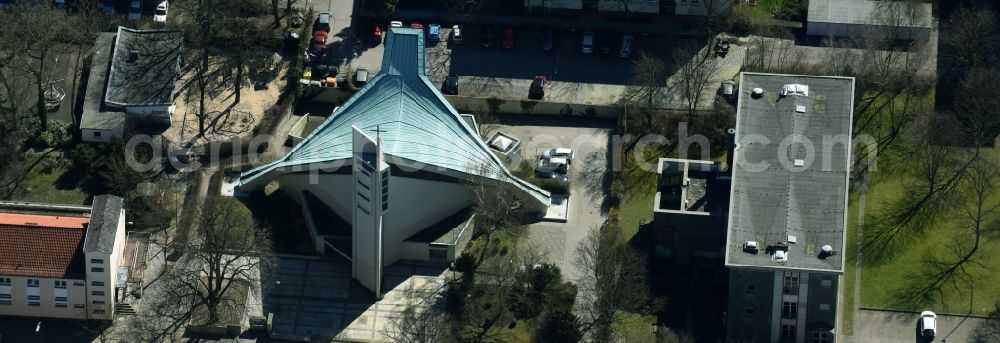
x,y
98,311
34,297
822,337
98,293
78,283
789,310
788,333
60,284
97,302
791,284
97,283
97,270
62,305
61,299
385,190
748,312
4,296
751,288
5,302
32,282
79,306
97,260
97,134
5,281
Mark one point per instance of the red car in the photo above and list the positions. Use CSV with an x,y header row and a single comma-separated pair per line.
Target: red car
x,y
317,48
378,34
508,38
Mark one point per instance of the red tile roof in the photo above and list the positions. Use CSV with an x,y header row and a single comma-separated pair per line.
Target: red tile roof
x,y
42,246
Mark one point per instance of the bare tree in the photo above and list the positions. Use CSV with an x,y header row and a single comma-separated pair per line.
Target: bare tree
x,y
647,85
495,209
421,321
34,34
230,259
772,49
613,282
694,71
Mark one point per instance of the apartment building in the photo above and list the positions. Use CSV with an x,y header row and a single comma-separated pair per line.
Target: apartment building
x,y
60,261
788,207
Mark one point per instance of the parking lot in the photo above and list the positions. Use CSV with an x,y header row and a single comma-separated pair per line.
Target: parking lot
x,y
588,179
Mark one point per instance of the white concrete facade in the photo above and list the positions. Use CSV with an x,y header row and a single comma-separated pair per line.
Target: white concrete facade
x,y
67,299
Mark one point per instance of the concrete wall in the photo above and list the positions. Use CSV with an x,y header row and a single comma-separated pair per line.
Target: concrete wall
x,y
857,31
333,190
471,104
756,327
76,299
89,135
410,211
103,268
149,112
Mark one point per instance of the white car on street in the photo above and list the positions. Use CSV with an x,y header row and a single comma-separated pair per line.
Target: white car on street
x,y
160,15
928,325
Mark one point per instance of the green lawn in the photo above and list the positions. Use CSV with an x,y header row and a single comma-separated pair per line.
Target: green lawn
x,y
55,185
763,8
638,188
887,284
849,260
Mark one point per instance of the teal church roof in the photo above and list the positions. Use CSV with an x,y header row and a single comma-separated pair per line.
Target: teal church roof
x,y
413,119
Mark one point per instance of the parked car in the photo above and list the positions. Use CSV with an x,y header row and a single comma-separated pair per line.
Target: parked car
x,y
566,153
626,49
928,325
434,33
377,34
548,42
588,42
487,36
322,22
728,88
456,35
361,76
552,168
508,38
160,14
537,89
135,10
450,85
317,46
396,23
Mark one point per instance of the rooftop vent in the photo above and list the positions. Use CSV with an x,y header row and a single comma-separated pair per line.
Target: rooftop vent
x,y
133,55
798,163
757,92
795,89
825,251
792,239
800,108
780,256
750,247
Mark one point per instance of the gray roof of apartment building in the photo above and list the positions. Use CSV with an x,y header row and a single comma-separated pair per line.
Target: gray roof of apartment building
x,y
773,201
867,12
103,224
95,114
144,68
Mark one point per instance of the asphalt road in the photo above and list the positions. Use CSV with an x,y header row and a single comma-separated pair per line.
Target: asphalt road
x,y
901,327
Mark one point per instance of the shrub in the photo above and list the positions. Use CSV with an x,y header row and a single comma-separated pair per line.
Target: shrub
x,y
56,135
83,156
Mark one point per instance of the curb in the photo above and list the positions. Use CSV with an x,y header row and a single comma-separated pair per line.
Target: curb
x,y
916,312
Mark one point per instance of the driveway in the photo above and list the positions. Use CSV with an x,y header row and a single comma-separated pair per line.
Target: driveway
x,y
901,327
589,140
